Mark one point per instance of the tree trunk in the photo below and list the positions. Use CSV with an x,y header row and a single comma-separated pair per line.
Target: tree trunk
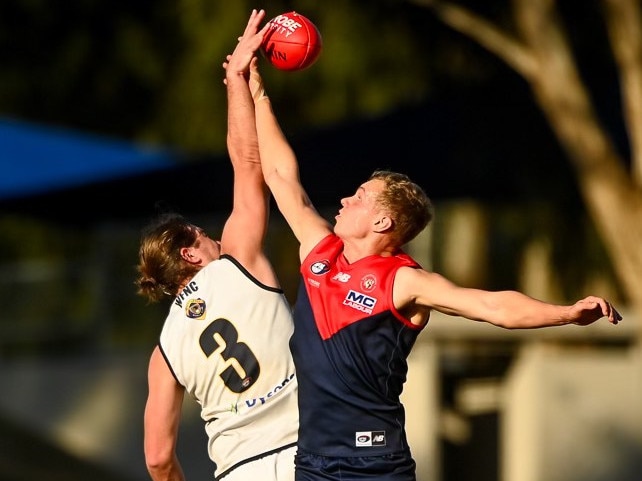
x,y
542,55
610,193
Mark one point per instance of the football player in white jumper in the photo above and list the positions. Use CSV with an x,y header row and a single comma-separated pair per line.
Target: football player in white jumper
x,y
225,338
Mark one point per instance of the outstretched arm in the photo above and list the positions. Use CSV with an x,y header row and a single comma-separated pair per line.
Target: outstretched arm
x,y
245,229
416,289
281,172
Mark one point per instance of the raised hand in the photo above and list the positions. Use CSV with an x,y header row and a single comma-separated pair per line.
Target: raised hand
x,y
238,63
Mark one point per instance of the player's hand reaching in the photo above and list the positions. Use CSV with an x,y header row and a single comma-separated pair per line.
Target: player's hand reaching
x,y
238,63
588,310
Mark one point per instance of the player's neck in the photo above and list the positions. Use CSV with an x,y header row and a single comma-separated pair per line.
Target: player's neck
x,y
354,251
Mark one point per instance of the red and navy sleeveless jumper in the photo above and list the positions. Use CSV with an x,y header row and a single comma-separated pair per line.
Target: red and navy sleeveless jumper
x,y
350,347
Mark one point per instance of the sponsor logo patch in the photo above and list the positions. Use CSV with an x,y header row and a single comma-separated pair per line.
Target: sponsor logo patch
x,y
359,301
366,439
341,277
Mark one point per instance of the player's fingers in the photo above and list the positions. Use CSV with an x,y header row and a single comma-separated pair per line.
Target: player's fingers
x,y
255,19
615,315
265,28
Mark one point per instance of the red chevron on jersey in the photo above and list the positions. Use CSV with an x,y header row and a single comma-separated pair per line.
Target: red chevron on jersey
x,y
341,293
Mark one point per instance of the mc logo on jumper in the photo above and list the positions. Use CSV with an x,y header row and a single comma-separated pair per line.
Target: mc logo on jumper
x,y
360,301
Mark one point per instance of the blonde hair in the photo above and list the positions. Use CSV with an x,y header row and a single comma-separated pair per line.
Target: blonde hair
x,y
161,269
406,202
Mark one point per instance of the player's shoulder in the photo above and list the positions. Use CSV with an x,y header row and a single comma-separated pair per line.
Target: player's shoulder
x,y
411,279
407,274
315,239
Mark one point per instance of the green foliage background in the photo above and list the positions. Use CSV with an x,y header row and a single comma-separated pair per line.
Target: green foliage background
x,y
151,71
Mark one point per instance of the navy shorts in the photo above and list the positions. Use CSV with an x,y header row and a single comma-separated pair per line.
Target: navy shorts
x,y
389,467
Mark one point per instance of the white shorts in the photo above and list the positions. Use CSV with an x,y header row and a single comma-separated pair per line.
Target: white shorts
x,y
274,467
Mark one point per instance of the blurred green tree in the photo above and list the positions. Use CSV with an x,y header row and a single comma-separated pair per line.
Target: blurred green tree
x,y
152,71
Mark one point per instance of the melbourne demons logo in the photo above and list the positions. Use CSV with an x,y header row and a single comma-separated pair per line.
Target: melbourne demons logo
x,y
320,267
359,301
368,282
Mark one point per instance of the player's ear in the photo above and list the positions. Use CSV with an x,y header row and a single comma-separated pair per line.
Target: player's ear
x,y
382,224
188,255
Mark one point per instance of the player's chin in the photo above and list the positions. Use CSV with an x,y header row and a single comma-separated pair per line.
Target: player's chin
x,y
337,225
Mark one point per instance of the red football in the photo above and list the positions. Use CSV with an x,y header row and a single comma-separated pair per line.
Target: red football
x,y
292,42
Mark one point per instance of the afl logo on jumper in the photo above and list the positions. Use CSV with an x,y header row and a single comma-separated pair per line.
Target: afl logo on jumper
x,y
320,267
195,309
366,439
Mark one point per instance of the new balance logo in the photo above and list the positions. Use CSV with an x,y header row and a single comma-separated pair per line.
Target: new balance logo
x,y
365,439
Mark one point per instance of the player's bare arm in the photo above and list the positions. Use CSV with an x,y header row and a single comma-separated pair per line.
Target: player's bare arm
x,y
507,309
164,402
245,229
281,173
278,161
